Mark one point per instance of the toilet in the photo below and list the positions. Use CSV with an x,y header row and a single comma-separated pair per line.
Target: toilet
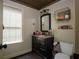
x,y
66,49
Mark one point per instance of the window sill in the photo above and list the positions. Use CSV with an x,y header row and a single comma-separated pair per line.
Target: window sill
x,y
13,42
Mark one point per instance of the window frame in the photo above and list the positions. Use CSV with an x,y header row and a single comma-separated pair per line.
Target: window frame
x,y
17,41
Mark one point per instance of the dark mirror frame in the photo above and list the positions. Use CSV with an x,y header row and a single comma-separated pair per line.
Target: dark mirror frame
x,y
48,14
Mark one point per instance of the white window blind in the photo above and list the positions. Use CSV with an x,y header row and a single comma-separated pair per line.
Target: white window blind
x,y
12,22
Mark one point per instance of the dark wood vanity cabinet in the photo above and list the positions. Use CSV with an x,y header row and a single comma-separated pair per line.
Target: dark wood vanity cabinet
x,y
43,45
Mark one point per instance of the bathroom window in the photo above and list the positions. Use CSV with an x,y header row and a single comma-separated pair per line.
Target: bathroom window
x,y
12,22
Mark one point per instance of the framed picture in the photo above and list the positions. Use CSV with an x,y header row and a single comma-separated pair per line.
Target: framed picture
x,y
63,14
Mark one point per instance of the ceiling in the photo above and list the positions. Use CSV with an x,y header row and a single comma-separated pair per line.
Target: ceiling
x,y
36,4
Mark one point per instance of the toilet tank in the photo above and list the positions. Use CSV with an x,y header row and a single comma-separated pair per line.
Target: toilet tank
x,y
66,48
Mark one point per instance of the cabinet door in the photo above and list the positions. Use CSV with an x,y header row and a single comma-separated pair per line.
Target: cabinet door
x,y
42,43
49,43
1,29
35,43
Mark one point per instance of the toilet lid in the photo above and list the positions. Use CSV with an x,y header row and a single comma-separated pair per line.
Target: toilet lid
x,y
61,56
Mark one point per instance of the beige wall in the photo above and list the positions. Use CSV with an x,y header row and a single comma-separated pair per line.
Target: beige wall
x,y
71,36
63,35
77,25
30,16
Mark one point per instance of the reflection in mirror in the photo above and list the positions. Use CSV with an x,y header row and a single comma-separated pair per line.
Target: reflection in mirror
x,y
45,22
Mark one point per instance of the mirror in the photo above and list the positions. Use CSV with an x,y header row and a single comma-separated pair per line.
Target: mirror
x,y
45,22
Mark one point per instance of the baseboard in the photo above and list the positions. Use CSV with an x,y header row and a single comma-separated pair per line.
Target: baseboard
x,y
17,54
76,56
